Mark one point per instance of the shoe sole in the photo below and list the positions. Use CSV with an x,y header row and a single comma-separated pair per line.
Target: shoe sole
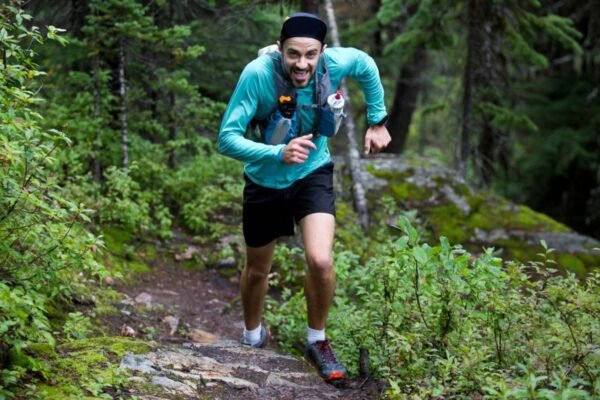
x,y
334,376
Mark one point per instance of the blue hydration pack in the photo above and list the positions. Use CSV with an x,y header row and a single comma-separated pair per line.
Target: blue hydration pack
x,y
284,123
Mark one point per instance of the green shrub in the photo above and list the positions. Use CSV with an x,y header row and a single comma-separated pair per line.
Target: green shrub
x,y
46,253
439,323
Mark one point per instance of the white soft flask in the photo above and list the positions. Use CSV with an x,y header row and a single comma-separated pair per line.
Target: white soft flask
x,y
336,102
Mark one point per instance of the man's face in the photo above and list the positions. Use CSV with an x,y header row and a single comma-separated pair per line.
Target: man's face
x,y
300,59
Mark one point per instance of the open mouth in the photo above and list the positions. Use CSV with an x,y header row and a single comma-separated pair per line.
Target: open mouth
x,y
300,76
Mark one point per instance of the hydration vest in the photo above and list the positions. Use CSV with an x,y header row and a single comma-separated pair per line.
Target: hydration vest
x,y
323,122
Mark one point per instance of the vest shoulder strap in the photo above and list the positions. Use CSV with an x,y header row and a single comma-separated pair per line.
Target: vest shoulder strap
x,y
284,87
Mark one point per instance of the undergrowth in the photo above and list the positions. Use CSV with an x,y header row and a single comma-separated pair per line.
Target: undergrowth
x,y
438,322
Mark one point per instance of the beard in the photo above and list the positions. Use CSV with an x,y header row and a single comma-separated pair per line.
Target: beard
x,y
300,77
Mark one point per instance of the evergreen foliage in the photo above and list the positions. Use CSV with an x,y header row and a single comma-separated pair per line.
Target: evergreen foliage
x,y
119,133
481,56
46,252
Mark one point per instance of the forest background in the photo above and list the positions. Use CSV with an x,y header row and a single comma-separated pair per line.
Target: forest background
x,y
110,111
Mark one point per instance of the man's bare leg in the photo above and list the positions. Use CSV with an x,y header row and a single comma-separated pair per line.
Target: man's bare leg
x,y
319,283
254,282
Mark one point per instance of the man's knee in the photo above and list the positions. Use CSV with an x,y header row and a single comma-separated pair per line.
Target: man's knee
x,y
256,272
320,263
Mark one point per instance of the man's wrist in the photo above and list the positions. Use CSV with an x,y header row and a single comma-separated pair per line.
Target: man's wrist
x,y
381,122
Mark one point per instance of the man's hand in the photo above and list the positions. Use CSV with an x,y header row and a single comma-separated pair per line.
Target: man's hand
x,y
376,139
296,151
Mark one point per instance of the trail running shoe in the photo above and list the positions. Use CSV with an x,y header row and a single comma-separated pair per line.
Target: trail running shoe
x,y
321,355
264,339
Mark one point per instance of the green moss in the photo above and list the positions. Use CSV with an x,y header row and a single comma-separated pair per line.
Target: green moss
x,y
390,175
81,369
571,263
106,310
117,345
591,260
462,190
148,252
228,272
448,220
116,240
408,191
194,264
64,392
348,231
490,213
518,250
477,200
137,267
541,221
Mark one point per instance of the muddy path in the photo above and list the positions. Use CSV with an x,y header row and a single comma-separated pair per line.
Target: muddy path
x,y
195,318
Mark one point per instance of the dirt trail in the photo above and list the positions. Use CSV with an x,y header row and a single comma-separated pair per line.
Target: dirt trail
x,y
195,316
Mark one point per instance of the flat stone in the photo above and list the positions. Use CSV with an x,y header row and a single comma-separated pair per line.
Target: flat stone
x,y
137,363
175,386
200,336
181,371
144,298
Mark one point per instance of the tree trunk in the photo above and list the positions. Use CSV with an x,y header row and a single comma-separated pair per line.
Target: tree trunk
x,y
172,131
310,6
486,158
408,87
485,76
360,201
465,138
377,35
78,14
97,163
171,102
123,99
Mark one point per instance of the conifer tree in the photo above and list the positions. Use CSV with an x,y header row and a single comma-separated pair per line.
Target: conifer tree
x,y
499,35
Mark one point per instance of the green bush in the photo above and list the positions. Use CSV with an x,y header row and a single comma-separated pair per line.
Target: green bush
x,y
46,253
440,323
207,191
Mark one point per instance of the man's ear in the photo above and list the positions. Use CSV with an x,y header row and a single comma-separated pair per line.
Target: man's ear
x,y
279,46
323,47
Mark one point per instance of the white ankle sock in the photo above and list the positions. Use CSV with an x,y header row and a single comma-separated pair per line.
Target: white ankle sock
x,y
252,336
314,335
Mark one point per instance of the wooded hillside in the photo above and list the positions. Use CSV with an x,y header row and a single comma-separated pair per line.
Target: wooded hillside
x,y
109,113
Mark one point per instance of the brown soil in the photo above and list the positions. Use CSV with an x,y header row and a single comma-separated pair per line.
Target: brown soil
x,y
203,301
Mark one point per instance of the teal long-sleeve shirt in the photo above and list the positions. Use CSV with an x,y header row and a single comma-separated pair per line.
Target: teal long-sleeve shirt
x,y
254,97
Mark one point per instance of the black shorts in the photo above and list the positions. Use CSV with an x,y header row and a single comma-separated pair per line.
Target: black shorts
x,y
271,213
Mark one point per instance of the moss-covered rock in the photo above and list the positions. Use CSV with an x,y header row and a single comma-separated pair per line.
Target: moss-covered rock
x,y
82,369
475,218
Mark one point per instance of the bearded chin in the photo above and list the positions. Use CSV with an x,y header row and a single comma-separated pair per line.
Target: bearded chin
x,y
300,79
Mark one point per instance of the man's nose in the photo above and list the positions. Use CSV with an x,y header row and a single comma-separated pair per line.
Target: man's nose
x,y
301,63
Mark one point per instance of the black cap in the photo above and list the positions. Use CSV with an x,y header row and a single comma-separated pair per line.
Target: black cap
x,y
303,24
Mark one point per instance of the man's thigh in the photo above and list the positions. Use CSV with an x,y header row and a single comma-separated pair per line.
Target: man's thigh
x,y
317,232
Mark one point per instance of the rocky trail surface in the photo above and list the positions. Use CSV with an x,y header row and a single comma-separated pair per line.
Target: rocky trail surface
x,y
195,318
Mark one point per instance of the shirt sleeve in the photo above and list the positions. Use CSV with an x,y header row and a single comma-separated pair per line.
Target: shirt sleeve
x,y
357,64
242,107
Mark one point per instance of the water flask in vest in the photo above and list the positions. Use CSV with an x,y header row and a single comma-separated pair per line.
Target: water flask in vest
x,y
282,124
332,115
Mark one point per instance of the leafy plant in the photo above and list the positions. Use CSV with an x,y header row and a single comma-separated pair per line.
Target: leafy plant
x,y
439,322
46,254
77,326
